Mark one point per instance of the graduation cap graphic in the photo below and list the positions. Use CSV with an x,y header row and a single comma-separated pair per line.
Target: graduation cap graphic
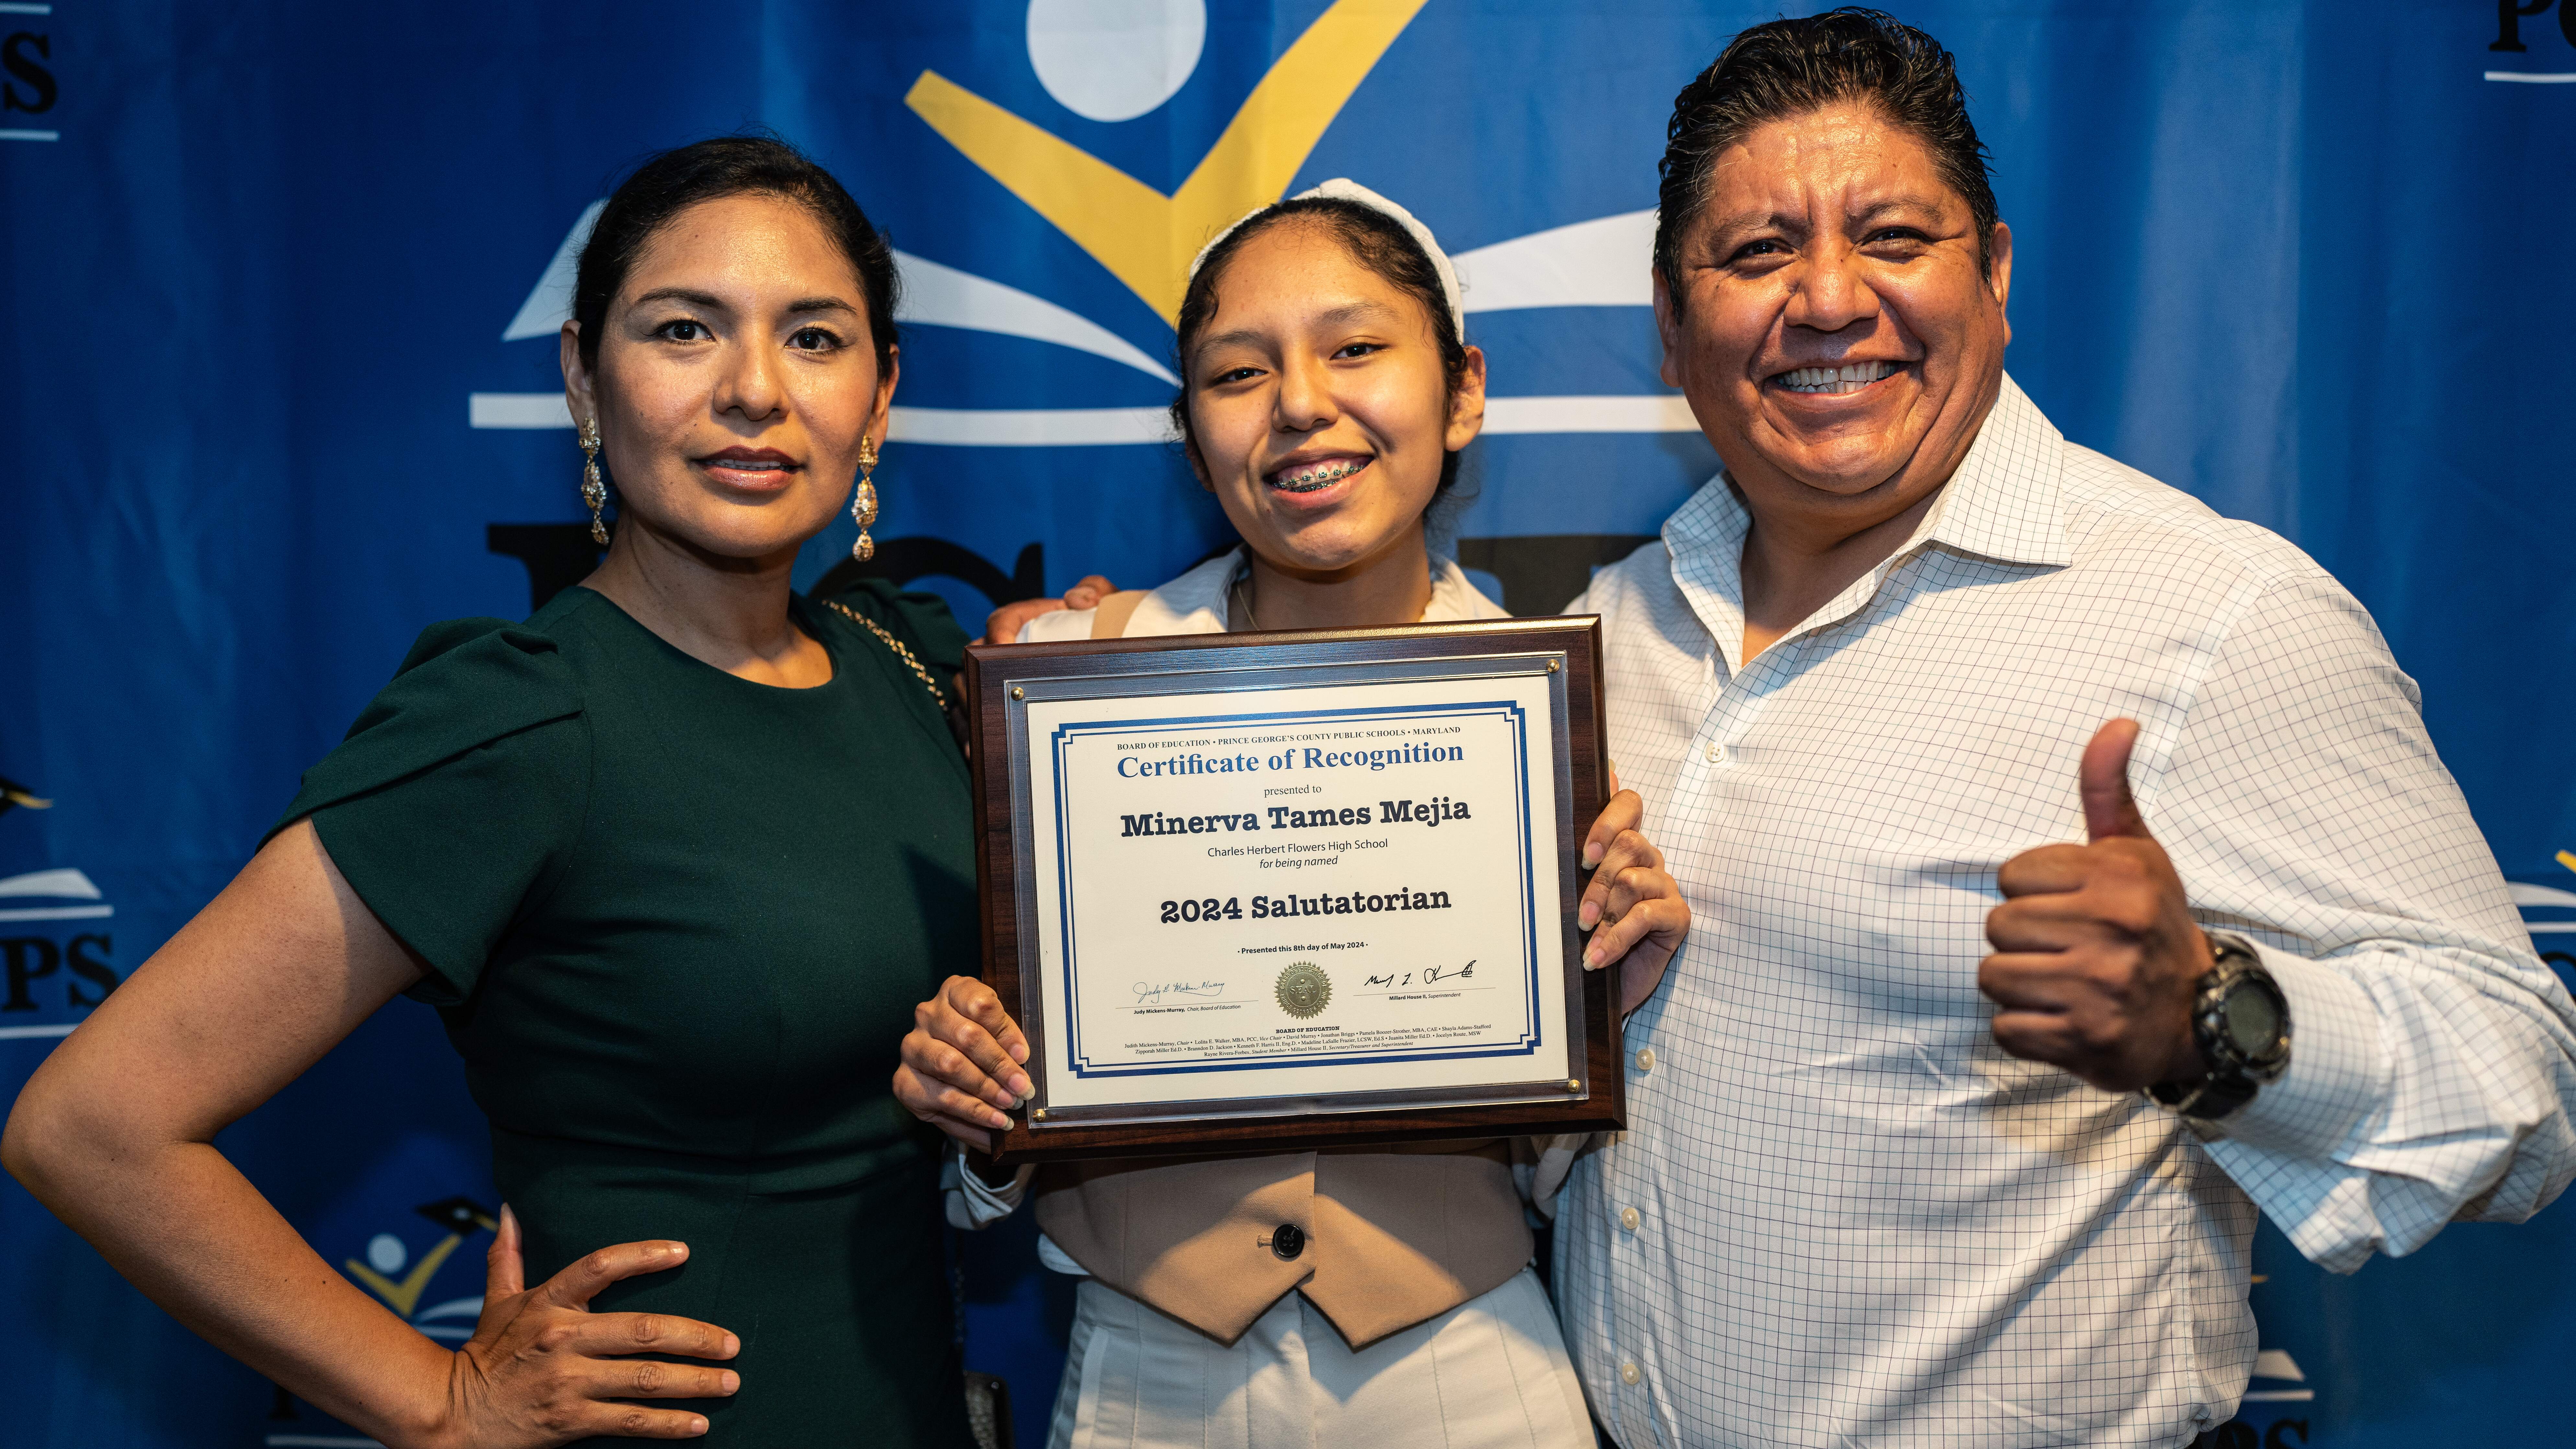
x,y
462,1217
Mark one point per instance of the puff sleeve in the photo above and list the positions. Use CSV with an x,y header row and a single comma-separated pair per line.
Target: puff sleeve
x,y
458,795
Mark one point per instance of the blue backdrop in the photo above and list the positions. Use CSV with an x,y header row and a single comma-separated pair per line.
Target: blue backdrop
x,y
281,283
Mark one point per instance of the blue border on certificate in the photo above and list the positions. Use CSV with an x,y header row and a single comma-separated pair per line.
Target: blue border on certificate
x,y
1531,1039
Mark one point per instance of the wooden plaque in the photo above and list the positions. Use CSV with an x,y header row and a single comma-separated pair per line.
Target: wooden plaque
x,y
1238,889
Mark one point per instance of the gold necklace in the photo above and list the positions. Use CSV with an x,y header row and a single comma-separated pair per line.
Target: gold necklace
x,y
896,645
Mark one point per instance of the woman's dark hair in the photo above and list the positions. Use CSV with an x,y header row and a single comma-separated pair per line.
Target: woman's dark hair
x,y
672,182
1374,239
1790,67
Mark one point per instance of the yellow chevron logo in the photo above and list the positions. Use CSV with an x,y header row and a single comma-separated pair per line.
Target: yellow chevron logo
x,y
405,1295
1144,238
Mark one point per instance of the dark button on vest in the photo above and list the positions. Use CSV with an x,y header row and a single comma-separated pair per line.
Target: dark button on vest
x,y
1288,1240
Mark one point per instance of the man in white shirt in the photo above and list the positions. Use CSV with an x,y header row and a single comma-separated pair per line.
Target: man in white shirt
x,y
1941,1133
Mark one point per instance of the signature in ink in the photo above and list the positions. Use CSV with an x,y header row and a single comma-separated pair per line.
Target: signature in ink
x,y
1429,974
1149,993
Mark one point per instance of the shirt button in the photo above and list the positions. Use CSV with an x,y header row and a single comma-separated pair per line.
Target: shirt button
x,y
1627,1373
1645,1059
1716,753
1628,1219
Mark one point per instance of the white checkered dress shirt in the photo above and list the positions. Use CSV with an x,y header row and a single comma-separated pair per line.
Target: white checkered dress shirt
x,y
1856,1221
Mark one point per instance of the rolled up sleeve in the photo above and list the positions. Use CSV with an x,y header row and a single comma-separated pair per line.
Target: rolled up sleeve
x,y
2433,1054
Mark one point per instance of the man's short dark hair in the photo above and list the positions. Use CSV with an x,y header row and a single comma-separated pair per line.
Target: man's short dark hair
x,y
1791,67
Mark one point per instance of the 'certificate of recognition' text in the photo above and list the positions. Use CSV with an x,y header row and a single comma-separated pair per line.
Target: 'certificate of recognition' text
x,y
1330,892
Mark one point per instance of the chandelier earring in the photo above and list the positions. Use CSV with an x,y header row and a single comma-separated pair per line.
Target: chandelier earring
x,y
863,501
594,489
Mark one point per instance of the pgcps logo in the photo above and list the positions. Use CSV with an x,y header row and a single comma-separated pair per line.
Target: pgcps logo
x,y
2553,64
29,87
2549,914
57,949
402,1266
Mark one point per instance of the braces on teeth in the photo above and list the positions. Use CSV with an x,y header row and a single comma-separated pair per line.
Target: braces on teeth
x,y
1325,478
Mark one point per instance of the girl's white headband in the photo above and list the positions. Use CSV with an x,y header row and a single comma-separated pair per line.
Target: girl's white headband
x,y
1344,189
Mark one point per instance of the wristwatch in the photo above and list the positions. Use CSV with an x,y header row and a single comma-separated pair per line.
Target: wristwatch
x,y
2241,1023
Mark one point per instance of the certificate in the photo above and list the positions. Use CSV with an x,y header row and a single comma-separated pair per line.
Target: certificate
x,y
1276,891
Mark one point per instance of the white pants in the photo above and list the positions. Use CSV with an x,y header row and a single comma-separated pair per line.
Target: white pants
x,y
1490,1373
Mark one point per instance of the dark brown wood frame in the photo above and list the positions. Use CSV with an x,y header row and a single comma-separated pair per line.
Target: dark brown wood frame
x,y
989,672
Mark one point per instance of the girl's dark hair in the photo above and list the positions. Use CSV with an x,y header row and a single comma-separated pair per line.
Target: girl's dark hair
x,y
1790,67
1374,239
672,182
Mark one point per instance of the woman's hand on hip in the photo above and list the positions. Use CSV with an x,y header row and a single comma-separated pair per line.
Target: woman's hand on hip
x,y
1636,905
961,1063
543,1369
115,1132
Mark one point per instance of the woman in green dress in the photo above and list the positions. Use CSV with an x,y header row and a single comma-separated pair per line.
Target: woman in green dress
x,y
674,859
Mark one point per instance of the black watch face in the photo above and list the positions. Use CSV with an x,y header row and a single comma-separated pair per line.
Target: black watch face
x,y
2253,1020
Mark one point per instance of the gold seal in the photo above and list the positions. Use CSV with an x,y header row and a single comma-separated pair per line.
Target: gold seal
x,y
1304,989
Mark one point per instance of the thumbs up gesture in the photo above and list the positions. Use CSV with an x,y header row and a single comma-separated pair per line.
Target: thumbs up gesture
x,y
2096,955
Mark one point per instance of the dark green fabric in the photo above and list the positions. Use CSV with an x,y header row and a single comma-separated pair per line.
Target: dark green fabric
x,y
676,924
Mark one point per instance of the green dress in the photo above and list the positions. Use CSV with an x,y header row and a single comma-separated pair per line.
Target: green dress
x,y
676,923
